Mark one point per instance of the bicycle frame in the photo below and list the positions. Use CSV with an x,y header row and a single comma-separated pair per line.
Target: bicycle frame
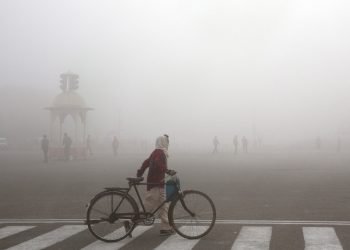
x,y
126,191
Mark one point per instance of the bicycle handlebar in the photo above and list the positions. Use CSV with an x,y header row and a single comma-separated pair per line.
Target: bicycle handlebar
x,y
171,172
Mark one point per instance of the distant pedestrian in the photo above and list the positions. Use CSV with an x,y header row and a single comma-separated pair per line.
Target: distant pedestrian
x,y
216,144
45,147
88,145
235,143
318,143
339,144
260,141
245,144
115,145
67,143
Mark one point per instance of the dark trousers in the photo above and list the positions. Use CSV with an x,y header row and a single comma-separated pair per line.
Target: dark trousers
x,y
45,155
66,153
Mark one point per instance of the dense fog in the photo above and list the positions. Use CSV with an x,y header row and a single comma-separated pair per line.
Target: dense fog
x,y
276,70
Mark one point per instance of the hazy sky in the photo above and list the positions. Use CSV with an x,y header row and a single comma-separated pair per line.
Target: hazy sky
x,y
193,69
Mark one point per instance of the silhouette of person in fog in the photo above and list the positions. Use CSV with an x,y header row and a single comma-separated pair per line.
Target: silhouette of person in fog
x,y
235,143
318,143
338,144
88,145
245,144
260,140
216,144
115,145
67,143
45,147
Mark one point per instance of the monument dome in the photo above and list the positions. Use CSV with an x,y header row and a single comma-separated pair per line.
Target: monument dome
x,y
69,99
68,104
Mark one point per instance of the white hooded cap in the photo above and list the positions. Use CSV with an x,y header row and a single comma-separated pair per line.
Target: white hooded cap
x,y
162,143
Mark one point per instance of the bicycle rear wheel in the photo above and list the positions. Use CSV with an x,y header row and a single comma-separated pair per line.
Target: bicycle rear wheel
x,y
192,214
106,225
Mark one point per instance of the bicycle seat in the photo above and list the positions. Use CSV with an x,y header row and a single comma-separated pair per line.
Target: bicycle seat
x,y
135,179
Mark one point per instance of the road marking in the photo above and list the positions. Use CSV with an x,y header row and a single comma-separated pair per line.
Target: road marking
x,y
176,242
100,245
41,221
321,238
10,230
237,222
253,238
249,238
49,238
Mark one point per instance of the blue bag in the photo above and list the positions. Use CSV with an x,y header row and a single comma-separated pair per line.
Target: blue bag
x,y
171,187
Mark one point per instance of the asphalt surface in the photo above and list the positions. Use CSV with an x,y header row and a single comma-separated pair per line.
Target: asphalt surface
x,y
297,186
276,186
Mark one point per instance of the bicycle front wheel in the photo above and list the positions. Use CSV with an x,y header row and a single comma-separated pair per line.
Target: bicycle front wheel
x,y
192,214
106,225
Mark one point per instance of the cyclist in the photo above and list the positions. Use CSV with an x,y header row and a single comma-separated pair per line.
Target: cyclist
x,y
157,167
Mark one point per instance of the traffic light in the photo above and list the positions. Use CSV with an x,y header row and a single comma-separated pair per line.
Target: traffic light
x,y
73,82
63,82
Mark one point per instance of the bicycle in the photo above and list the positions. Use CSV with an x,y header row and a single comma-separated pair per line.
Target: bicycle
x,y
113,214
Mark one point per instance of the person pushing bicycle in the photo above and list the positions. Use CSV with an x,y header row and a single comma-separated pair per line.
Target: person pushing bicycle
x,y
157,168
113,214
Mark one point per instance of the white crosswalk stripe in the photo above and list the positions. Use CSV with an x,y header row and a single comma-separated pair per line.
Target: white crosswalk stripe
x,y
253,238
248,238
49,238
321,238
11,230
100,245
176,242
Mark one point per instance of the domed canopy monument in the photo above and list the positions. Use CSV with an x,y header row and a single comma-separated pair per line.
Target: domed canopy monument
x,y
68,103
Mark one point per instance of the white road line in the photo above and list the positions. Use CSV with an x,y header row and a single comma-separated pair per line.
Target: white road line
x,y
41,221
176,242
321,238
237,222
49,238
11,230
253,238
100,245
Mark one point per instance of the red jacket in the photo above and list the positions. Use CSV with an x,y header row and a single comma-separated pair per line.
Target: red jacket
x,y
157,164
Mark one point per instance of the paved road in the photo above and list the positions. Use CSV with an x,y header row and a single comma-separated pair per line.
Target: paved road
x,y
269,186
225,235
276,186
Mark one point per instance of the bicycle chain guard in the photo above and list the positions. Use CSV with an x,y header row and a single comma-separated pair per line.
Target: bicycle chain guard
x,y
149,221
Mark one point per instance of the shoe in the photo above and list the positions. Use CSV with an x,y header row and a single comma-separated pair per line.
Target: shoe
x,y
127,227
166,232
